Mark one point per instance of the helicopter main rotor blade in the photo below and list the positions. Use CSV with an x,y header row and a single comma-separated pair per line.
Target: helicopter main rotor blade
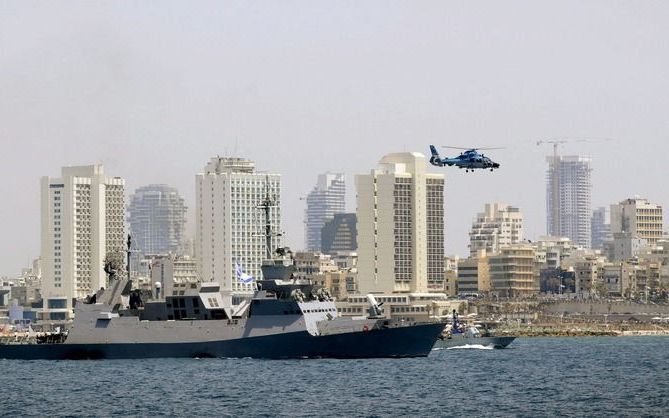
x,y
471,148
446,146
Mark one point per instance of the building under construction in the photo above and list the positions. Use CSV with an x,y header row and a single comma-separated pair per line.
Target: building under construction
x,y
568,198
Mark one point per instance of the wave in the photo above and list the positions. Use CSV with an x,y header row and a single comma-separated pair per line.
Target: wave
x,y
472,346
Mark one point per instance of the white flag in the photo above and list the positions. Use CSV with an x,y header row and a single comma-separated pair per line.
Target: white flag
x,y
241,276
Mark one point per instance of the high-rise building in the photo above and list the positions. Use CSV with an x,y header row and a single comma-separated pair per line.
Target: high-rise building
x,y
600,227
157,219
400,209
568,198
638,217
82,221
230,224
326,199
340,234
499,224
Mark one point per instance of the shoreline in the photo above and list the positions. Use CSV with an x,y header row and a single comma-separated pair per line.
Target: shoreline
x,y
576,332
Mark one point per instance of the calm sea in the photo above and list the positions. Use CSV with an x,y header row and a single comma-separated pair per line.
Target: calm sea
x,y
624,376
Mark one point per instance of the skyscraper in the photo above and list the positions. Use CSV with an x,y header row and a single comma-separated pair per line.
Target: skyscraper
x,y
326,199
601,227
230,224
340,234
400,209
638,217
82,222
568,198
157,219
499,224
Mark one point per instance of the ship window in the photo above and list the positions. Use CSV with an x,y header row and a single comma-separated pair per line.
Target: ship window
x,y
170,317
196,304
102,323
196,311
182,303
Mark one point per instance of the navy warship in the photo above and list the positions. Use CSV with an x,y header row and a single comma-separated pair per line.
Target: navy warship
x,y
285,318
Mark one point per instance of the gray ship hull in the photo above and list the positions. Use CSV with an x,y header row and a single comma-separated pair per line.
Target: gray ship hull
x,y
411,341
461,341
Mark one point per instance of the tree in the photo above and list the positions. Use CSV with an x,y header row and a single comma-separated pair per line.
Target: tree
x,y
114,264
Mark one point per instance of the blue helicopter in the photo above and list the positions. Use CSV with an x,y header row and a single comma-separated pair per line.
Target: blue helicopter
x,y
469,159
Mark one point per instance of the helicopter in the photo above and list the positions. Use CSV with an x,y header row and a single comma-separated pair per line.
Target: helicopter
x,y
469,159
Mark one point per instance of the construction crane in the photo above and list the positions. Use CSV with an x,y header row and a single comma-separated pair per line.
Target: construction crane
x,y
557,142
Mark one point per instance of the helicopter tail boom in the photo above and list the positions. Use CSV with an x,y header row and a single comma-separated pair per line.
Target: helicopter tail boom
x,y
435,159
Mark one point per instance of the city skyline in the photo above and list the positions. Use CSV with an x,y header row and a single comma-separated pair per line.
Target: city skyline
x,y
82,87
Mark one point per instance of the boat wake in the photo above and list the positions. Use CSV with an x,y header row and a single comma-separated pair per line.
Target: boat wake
x,y
472,346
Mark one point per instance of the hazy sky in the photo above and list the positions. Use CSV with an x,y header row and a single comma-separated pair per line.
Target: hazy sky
x,y
154,89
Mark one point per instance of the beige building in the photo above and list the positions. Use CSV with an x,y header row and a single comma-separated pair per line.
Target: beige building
x,y
407,306
499,224
451,275
474,274
587,272
337,274
400,210
553,250
514,271
638,217
83,219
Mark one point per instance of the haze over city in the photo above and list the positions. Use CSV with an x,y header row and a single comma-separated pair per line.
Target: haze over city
x,y
154,91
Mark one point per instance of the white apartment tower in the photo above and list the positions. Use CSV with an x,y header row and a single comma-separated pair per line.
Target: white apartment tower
x,y
400,209
326,199
568,200
82,220
499,224
638,217
230,223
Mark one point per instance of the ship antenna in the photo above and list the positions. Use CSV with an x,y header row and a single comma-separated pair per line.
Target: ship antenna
x,y
128,253
266,204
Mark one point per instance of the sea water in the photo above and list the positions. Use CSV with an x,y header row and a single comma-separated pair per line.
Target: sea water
x,y
603,376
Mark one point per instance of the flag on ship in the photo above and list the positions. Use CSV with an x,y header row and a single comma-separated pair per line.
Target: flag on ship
x,y
241,276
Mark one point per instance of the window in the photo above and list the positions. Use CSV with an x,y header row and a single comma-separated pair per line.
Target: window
x,y
57,316
57,304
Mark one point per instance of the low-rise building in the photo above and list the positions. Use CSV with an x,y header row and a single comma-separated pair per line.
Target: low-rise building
x,y
514,272
474,274
407,306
